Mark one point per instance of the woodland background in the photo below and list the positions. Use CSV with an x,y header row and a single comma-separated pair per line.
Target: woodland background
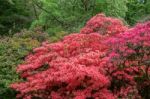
x,y
24,24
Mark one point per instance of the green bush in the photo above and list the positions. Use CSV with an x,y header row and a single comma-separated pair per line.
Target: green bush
x,y
57,36
12,52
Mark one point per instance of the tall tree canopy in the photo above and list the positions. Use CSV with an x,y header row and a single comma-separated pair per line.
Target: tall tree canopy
x,y
71,15
137,10
66,15
14,15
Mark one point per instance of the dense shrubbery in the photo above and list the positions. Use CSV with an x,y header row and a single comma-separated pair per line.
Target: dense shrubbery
x,y
57,36
128,63
12,52
103,25
73,67
104,61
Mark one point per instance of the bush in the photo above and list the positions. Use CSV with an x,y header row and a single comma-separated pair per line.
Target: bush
x,y
57,36
71,68
103,25
128,63
93,64
12,52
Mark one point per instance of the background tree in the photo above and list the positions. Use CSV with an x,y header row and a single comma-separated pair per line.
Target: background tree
x,y
115,8
71,15
137,10
14,15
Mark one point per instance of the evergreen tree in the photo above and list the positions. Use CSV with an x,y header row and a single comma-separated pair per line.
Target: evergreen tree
x,y
14,15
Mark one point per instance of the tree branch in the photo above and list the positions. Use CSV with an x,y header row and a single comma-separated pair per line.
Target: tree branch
x,y
54,17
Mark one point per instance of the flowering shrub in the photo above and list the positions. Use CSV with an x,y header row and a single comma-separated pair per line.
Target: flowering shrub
x,y
82,66
67,69
129,62
103,25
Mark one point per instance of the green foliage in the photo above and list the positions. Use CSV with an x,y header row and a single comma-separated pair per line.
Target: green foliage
x,y
62,15
137,10
14,15
58,18
115,8
12,52
66,15
57,36
71,15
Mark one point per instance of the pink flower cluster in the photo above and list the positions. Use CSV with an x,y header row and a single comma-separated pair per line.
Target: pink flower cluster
x,y
129,62
104,25
91,64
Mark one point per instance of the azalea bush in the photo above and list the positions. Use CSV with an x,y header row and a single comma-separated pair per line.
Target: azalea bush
x,y
89,64
129,63
103,25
